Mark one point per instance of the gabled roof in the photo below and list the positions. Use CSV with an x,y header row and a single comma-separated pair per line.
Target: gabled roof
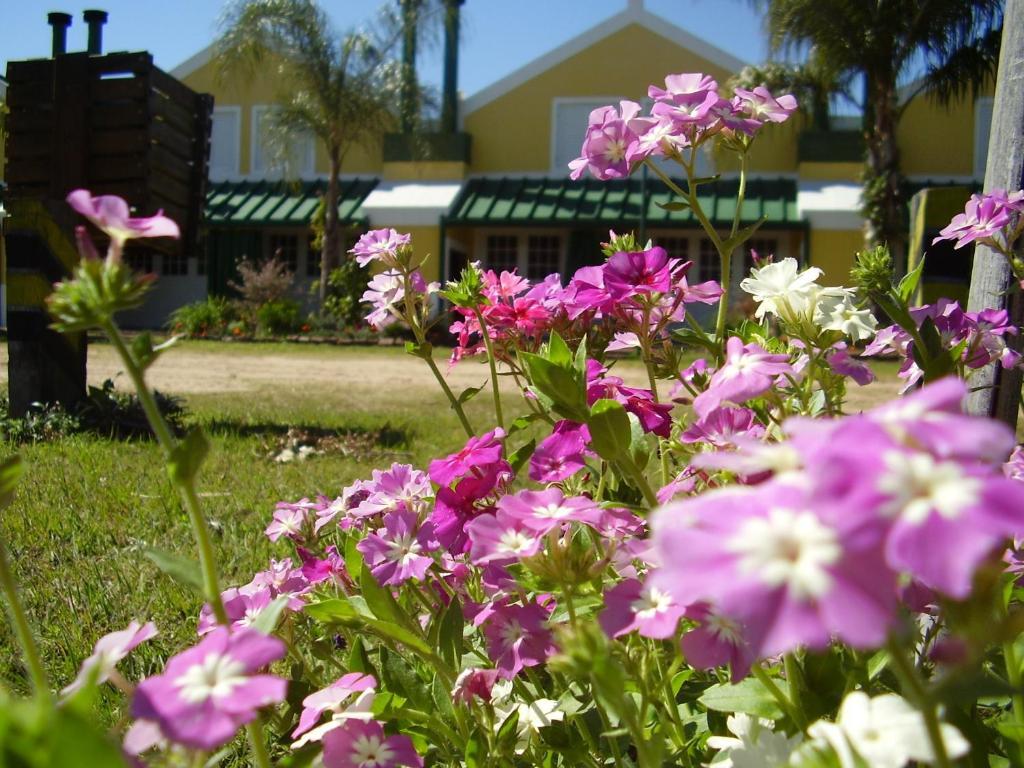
x,y
635,13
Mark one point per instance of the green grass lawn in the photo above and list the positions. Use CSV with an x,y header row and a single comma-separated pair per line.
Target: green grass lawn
x,y
88,507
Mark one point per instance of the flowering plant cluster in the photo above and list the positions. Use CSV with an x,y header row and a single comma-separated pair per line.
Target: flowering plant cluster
x,y
718,564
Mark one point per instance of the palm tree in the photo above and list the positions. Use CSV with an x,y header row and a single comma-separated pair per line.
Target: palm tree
x,y
341,88
879,43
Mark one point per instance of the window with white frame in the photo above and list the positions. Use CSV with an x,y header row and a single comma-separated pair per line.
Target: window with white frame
x,y
301,157
569,119
982,129
534,255
225,143
174,264
709,265
675,247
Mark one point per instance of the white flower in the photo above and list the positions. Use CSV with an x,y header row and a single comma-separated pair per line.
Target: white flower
x,y
533,716
883,732
756,745
836,311
781,289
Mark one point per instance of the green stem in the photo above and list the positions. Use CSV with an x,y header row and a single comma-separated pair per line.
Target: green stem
x,y
492,363
22,629
638,477
260,757
914,686
1013,676
794,677
186,487
726,258
782,699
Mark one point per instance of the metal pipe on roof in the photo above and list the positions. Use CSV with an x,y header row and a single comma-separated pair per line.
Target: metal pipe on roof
x,y
60,23
95,19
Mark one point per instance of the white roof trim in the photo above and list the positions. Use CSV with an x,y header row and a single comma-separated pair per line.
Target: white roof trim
x,y
194,62
634,14
830,205
410,204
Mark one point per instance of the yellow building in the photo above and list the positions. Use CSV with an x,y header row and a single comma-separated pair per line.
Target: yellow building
x,y
497,190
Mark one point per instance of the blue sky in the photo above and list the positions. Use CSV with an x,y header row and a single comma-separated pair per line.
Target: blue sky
x,y
499,36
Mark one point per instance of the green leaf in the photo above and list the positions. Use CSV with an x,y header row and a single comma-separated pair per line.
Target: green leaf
x,y
468,394
566,389
145,352
187,456
877,664
402,679
579,363
610,430
379,599
521,423
266,621
747,696
330,611
705,180
181,569
424,350
742,236
522,455
338,611
675,205
353,559
359,659
910,281
450,633
11,471
558,351
509,730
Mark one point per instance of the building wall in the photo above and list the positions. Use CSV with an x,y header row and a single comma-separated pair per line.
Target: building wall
x,y
834,251
938,141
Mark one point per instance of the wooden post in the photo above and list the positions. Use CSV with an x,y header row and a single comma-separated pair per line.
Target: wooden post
x,y
998,392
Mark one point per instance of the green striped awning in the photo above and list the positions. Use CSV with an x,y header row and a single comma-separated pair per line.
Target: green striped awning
x,y
548,201
251,203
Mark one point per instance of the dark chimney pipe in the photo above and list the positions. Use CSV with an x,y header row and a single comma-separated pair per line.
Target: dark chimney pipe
x,y
60,23
95,20
450,95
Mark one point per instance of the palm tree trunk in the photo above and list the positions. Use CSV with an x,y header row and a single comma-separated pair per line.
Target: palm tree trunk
x,y
329,258
883,196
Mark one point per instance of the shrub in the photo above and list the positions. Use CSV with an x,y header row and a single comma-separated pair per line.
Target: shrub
x,y
201,319
262,282
278,317
345,287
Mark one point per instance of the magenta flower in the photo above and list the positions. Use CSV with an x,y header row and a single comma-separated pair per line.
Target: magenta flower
x,y
108,651
643,272
722,426
517,636
542,511
112,215
502,539
717,641
792,570
605,143
205,694
363,744
479,452
684,86
983,217
332,568
398,551
400,487
290,520
631,605
336,700
242,608
682,483
378,244
561,454
760,105
474,683
687,100
748,371
456,507
843,363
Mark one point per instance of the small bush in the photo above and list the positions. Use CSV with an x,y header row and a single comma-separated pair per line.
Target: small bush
x,y
279,317
345,287
264,282
208,318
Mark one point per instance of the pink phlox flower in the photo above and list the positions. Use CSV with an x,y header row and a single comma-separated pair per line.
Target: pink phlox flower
x,y
385,293
708,292
760,105
655,137
748,371
643,272
687,100
720,427
717,641
479,452
242,609
400,550
1014,466
561,454
455,507
378,244
681,484
608,137
550,293
348,697
290,521
142,736
206,693
753,460
112,215
505,287
400,487
619,523
984,217
843,363
623,340
633,606
108,651
523,315
351,497
517,636
587,292
683,86
654,417
543,511
474,683
281,579
331,568
792,570
501,538
694,375
363,744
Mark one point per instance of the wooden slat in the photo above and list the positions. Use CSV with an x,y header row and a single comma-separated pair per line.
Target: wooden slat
x,y
119,89
166,162
117,168
174,114
130,141
134,191
175,90
30,120
25,71
30,93
171,139
172,190
29,144
118,116
28,170
138,62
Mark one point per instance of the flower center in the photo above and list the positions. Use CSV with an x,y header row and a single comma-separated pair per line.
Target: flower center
x,y
554,511
788,549
371,752
650,603
216,676
615,151
514,542
403,549
918,485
